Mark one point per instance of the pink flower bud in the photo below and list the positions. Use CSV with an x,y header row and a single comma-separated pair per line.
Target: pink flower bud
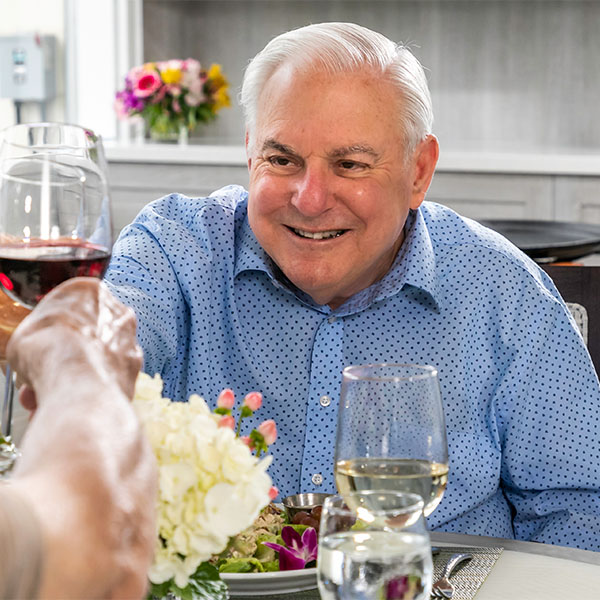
x,y
226,399
273,493
246,439
268,430
253,401
227,421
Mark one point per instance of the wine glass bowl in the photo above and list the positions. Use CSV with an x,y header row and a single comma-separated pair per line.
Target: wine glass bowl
x,y
55,220
55,217
391,432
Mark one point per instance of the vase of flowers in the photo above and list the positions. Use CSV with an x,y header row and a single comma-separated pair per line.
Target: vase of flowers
x,y
212,484
172,97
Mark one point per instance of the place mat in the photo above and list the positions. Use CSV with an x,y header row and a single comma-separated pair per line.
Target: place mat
x,y
469,576
467,579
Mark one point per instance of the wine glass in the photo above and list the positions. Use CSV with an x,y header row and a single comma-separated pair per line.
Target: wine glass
x,y
55,223
374,545
391,432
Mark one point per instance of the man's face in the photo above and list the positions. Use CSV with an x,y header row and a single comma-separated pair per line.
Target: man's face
x,y
330,186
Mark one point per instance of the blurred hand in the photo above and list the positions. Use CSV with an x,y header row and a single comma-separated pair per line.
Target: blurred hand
x,y
79,324
86,468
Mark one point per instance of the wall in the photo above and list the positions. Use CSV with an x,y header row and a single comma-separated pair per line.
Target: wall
x,y
504,74
43,17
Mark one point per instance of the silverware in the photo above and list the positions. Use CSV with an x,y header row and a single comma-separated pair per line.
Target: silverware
x,y
442,588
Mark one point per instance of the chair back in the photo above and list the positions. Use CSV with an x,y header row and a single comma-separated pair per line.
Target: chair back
x,y
580,288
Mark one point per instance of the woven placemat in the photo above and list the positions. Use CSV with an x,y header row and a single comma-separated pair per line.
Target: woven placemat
x,y
469,576
467,579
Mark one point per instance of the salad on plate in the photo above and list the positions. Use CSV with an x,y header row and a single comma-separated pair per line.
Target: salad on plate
x,y
273,543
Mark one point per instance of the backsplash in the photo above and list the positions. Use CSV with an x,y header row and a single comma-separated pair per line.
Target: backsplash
x,y
504,74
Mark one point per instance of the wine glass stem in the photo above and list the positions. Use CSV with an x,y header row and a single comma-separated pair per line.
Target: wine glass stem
x,y
7,407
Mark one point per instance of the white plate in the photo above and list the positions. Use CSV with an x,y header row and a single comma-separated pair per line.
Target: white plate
x,y
276,582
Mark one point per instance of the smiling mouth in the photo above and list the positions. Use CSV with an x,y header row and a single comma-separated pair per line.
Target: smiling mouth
x,y
318,235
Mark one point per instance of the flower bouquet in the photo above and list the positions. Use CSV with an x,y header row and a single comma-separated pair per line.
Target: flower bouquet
x,y
172,96
211,485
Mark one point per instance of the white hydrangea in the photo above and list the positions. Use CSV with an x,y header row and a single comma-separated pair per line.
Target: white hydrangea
x,y
211,486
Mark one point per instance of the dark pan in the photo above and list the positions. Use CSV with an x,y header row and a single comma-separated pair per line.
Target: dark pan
x,y
549,241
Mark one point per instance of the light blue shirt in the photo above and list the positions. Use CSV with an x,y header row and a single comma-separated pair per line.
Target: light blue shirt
x,y
520,394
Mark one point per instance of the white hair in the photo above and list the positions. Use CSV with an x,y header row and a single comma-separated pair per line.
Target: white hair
x,y
338,48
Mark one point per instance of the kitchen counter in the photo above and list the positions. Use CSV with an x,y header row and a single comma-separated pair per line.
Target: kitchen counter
x,y
460,161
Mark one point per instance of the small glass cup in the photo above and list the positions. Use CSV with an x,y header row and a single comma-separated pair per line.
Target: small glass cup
x,y
374,545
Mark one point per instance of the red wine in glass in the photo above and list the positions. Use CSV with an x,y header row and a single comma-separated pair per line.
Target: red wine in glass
x,y
29,270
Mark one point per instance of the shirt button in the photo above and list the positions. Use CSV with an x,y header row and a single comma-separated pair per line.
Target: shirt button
x,y
331,320
317,479
325,400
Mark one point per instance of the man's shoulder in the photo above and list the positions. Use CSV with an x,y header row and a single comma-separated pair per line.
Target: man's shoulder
x,y
468,251
450,232
185,209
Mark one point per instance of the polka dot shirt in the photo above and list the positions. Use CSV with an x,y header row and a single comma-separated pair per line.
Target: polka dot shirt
x,y
521,397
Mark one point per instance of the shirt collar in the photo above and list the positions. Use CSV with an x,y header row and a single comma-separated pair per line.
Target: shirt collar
x,y
249,254
413,266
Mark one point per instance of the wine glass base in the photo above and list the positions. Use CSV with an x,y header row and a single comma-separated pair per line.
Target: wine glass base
x,y
9,454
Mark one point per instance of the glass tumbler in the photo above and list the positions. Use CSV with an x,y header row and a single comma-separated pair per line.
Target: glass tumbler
x,y
374,545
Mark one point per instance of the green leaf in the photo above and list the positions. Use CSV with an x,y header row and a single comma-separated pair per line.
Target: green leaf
x,y
241,564
204,584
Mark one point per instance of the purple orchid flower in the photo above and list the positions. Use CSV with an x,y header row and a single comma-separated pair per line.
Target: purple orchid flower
x,y
396,589
300,550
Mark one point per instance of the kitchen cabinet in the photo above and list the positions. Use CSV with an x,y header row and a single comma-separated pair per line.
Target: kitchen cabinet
x,y
578,199
495,196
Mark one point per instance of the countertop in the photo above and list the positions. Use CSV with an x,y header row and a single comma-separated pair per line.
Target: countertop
x,y
536,162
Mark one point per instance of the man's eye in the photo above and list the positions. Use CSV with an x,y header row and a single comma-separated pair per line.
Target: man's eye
x,y
350,165
279,161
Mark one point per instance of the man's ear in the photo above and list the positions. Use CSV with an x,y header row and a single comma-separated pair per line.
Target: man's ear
x,y
424,161
248,157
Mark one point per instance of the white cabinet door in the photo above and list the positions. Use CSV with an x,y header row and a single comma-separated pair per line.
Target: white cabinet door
x,y
578,199
491,196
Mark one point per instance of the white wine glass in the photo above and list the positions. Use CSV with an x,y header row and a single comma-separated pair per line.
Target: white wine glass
x,y
391,432
374,545
55,223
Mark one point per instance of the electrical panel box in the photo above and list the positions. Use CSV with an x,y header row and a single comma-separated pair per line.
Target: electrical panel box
x,y
28,67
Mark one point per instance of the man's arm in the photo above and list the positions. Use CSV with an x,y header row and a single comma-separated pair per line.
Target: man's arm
x,y
87,473
20,546
141,276
549,401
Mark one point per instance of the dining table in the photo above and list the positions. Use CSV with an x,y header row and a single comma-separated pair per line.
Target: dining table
x,y
520,571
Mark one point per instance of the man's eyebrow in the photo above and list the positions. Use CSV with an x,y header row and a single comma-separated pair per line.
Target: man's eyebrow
x,y
353,149
272,144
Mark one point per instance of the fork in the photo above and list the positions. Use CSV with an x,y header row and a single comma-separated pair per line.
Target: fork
x,y
442,588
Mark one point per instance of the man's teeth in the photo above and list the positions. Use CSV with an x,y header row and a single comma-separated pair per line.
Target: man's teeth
x,y
319,235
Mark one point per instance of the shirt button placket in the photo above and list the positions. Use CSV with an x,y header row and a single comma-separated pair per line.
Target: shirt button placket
x,y
325,380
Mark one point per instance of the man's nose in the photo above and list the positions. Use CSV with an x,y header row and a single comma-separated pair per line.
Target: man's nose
x,y
312,194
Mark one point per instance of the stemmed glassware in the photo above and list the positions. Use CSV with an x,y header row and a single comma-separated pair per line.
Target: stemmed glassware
x,y
391,432
391,470
55,223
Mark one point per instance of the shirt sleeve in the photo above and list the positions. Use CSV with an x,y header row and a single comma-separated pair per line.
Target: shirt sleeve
x,y
548,404
142,276
21,554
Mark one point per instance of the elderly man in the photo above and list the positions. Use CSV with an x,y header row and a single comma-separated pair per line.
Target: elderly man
x,y
332,258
